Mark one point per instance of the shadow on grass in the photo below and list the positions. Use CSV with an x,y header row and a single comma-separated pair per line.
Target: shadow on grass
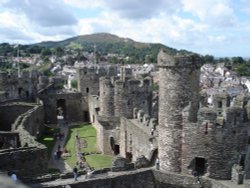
x,y
48,139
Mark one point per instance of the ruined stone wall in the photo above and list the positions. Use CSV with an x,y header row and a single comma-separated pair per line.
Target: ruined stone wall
x,y
88,78
74,110
30,125
171,180
28,161
178,88
136,138
9,140
133,179
99,135
9,113
50,110
146,179
73,105
247,167
15,87
32,157
221,101
220,145
88,82
130,94
106,128
93,107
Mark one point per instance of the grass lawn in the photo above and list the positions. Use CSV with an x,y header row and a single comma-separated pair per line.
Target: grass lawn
x,y
88,133
99,161
48,138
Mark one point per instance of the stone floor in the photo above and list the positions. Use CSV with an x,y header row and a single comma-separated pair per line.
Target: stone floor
x,y
231,184
60,163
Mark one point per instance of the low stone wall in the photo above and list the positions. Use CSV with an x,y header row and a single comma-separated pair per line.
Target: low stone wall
x,y
30,126
25,162
32,157
106,128
9,113
142,178
9,139
137,139
173,180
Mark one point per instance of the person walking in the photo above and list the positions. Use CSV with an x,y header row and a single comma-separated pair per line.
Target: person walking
x,y
157,163
75,171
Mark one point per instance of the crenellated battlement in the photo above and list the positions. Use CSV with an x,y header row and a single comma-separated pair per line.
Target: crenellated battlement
x,y
99,71
180,61
118,97
146,122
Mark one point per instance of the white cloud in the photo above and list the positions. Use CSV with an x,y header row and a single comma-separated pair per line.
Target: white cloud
x,y
208,26
45,13
17,28
211,11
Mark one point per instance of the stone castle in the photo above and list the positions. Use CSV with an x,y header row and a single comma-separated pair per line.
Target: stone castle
x,y
177,124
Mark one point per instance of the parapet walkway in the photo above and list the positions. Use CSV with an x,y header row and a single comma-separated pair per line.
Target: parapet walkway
x,y
83,178
60,163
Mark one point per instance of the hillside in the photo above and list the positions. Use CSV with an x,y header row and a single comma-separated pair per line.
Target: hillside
x,y
102,43
107,43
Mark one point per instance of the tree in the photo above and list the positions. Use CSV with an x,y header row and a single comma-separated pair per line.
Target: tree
x,y
46,52
59,51
208,59
238,60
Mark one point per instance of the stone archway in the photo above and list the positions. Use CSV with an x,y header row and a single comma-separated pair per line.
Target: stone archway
x,y
61,107
200,165
115,147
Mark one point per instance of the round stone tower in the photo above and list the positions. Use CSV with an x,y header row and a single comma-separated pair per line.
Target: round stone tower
x,y
178,89
106,97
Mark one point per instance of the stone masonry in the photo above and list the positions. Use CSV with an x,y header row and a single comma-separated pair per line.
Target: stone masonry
x,y
178,88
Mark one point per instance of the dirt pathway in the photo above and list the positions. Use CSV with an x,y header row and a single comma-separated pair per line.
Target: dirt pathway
x,y
60,163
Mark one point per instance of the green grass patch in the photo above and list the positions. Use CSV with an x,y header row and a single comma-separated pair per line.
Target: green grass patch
x,y
48,138
87,133
98,161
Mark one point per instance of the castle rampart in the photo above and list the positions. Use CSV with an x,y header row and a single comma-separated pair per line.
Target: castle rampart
x,y
138,136
26,155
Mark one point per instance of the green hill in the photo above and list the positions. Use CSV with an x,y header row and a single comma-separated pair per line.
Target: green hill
x,y
107,43
102,43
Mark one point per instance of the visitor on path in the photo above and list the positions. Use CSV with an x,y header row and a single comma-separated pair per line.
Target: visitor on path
x,y
58,153
157,163
196,175
75,170
152,131
55,155
13,177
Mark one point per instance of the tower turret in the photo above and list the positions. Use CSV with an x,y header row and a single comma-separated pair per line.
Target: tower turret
x,y
178,88
106,97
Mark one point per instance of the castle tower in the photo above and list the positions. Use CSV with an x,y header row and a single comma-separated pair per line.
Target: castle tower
x,y
106,97
178,88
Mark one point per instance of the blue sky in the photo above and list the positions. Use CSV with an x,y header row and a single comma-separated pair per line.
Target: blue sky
x,y
216,27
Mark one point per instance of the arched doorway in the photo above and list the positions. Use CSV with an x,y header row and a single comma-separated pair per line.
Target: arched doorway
x,y
61,108
114,147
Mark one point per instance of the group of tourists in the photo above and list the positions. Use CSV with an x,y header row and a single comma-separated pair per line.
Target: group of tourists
x,y
59,136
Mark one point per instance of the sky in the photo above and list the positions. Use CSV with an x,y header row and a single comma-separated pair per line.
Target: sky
x,y
216,27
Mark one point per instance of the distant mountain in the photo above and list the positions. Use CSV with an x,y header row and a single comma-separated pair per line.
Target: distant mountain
x,y
105,43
